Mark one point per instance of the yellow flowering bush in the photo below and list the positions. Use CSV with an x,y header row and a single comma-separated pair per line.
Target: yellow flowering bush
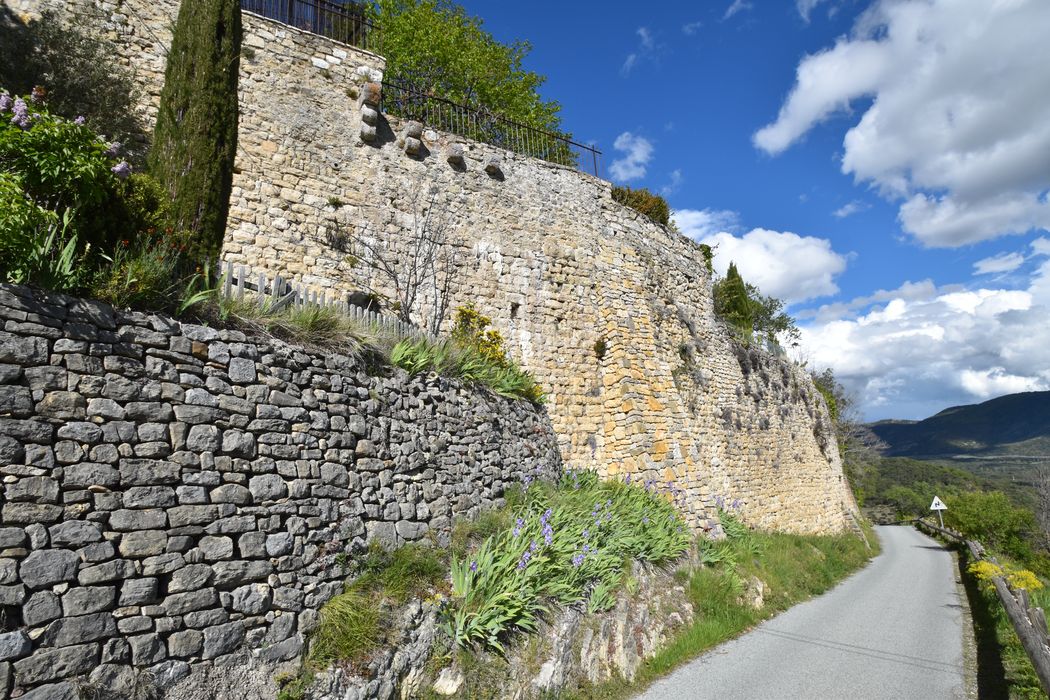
x,y
1017,579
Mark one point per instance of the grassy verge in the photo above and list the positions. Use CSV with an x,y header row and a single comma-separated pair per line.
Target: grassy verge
x,y
792,567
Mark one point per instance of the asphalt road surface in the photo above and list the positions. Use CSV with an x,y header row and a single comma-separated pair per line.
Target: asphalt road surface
x,y
893,630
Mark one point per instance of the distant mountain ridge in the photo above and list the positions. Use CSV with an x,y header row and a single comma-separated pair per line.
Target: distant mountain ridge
x,y
1017,425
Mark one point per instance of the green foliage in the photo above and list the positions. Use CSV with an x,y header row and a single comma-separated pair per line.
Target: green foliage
x,y
352,624
569,543
437,46
600,348
733,303
993,520
829,388
709,257
404,573
473,354
644,202
349,628
65,198
139,275
78,66
195,141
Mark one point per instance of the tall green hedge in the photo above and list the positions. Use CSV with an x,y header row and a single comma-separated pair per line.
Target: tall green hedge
x,y
196,137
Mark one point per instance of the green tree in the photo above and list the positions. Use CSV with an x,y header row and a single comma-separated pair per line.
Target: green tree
x,y
992,519
733,303
859,447
436,45
195,141
769,317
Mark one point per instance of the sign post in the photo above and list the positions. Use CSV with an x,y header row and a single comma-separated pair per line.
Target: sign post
x,y
938,505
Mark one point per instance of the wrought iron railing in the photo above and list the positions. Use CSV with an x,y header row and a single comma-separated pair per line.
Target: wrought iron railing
x,y
401,100
342,21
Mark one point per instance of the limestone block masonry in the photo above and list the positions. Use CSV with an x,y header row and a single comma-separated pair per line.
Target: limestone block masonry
x,y
177,498
611,312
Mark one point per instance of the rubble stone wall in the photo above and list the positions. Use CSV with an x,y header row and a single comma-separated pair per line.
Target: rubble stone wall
x,y
176,497
611,312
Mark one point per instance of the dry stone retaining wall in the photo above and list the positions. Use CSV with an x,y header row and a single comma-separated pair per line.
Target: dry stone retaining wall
x,y
562,269
177,497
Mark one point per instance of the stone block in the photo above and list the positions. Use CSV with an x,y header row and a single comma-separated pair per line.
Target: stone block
x,y
75,533
41,607
182,603
139,591
70,631
185,643
14,645
222,639
147,649
189,578
47,567
216,548
253,599
83,600
143,543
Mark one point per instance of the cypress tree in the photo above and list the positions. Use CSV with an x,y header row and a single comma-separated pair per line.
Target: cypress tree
x,y
195,141
733,302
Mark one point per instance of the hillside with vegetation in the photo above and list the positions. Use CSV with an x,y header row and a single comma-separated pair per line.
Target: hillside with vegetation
x,y
1016,425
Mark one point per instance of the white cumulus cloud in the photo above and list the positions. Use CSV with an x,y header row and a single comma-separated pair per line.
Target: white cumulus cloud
x,y
1004,262
781,264
911,352
701,223
957,117
637,152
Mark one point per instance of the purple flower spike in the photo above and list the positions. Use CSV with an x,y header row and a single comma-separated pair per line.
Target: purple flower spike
x,y
114,149
80,121
473,567
627,480
518,525
122,169
524,560
577,560
21,114
5,102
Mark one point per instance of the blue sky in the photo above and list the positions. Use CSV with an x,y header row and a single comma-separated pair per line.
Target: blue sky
x,y
881,164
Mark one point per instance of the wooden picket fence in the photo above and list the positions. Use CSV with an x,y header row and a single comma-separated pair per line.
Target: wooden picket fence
x,y
279,293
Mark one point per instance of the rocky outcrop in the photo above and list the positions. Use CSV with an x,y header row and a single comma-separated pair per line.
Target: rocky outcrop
x,y
571,648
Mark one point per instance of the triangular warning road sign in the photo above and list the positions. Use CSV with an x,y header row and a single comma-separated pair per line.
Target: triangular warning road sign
x,y
938,504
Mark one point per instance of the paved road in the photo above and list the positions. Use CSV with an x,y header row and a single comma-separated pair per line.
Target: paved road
x,y
893,630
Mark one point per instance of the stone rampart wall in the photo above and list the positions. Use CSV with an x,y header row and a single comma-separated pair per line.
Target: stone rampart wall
x,y
176,497
561,268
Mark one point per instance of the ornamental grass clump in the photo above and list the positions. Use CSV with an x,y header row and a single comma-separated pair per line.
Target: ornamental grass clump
x,y
570,543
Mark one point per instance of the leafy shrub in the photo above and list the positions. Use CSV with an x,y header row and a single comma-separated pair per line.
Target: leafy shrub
x,y
139,274
475,354
569,543
80,69
68,198
644,202
993,520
